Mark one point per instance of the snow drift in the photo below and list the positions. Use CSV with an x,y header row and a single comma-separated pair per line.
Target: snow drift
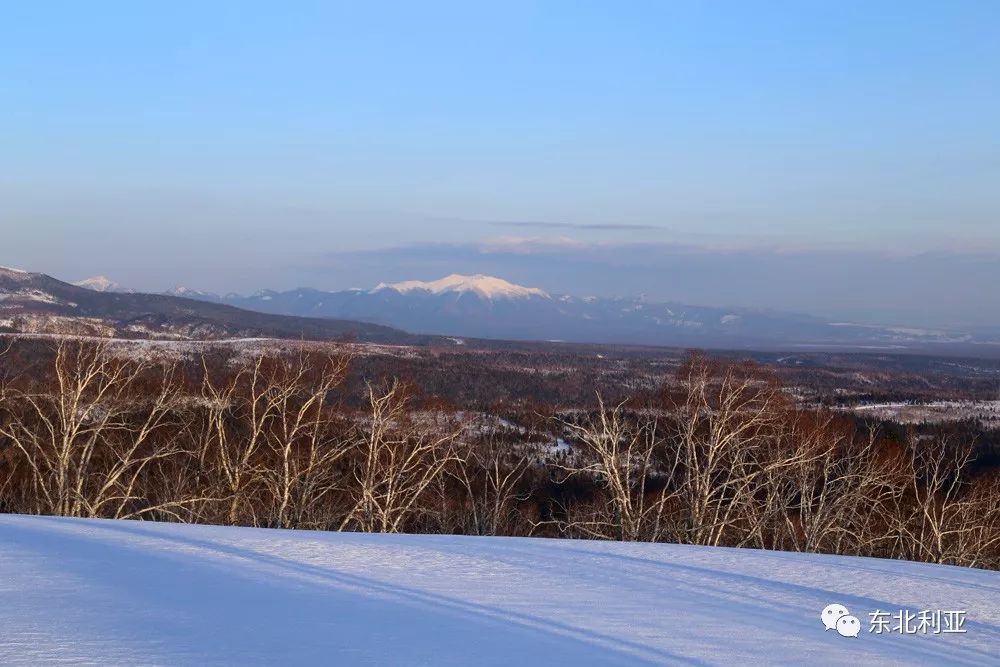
x,y
113,592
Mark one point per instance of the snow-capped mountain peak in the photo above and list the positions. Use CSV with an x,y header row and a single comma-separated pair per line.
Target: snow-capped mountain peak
x,y
98,284
487,287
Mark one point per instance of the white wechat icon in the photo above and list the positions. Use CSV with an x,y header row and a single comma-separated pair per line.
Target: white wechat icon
x,y
849,626
833,613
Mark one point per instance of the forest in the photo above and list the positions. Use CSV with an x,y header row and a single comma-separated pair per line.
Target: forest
x,y
717,453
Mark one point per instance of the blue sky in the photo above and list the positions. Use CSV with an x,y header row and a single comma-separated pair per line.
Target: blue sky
x,y
241,145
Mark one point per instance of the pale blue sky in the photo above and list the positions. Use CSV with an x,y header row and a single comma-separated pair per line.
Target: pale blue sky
x,y
234,143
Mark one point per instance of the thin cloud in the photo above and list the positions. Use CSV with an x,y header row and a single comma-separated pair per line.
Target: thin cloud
x,y
532,224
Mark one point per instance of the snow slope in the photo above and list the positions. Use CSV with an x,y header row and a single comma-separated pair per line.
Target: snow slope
x,y
12,273
143,593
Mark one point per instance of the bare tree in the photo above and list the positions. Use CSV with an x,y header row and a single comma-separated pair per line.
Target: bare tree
x,y
618,451
489,472
266,432
301,439
87,440
231,437
951,520
723,431
395,467
835,494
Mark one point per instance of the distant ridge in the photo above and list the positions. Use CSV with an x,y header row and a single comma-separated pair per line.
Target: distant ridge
x,y
482,306
468,306
38,303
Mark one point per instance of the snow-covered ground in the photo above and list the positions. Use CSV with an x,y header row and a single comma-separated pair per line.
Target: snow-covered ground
x,y
110,592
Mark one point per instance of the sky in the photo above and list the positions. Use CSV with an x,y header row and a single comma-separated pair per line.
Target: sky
x,y
840,158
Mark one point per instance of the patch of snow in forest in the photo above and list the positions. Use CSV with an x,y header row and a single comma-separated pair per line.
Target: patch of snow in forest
x,y
932,411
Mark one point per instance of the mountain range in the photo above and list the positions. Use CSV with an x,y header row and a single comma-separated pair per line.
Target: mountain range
x,y
40,304
481,306
447,311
